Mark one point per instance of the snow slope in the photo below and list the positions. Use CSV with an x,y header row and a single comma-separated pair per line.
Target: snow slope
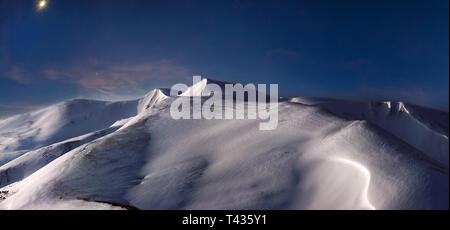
x,y
425,129
325,154
22,133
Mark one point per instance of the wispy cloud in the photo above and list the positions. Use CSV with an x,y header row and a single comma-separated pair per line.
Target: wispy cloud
x,y
16,73
106,77
20,106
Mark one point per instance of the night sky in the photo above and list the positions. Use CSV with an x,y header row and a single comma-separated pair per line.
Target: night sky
x,y
113,50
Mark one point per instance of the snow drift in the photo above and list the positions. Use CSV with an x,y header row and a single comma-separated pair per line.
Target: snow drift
x,y
325,154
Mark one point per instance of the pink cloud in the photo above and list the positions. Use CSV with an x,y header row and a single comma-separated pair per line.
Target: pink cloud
x,y
20,106
17,74
100,76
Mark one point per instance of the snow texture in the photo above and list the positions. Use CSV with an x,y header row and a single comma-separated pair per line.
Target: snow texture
x,y
325,154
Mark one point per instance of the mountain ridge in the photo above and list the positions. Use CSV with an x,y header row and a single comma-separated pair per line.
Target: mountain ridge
x,y
354,155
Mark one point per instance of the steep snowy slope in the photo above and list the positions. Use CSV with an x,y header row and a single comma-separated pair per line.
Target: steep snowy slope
x,y
25,132
424,129
323,155
27,164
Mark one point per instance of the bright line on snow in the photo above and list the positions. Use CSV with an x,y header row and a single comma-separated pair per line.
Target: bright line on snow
x,y
366,172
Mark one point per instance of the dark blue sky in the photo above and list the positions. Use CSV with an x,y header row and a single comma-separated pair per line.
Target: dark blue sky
x,y
115,49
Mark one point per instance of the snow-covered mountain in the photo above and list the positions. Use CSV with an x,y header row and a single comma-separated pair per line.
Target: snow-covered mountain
x,y
325,154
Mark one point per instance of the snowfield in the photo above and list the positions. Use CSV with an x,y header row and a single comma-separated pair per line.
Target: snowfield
x,y
325,154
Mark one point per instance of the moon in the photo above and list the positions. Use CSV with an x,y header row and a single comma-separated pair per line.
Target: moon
x,y
42,4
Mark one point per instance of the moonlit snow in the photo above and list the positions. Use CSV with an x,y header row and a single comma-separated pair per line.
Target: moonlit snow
x,y
324,154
